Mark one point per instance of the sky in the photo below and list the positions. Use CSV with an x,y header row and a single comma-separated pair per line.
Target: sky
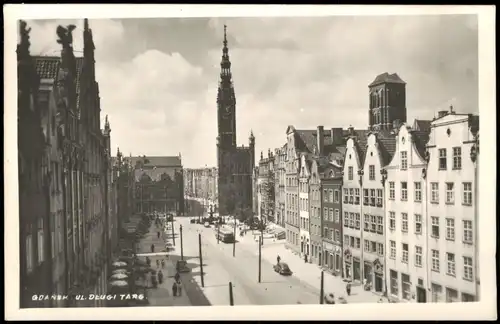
x,y
158,77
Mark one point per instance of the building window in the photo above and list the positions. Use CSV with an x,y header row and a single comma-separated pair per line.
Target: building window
x,y
392,190
394,283
325,213
406,286
367,246
435,226
457,158
450,264
352,222
467,196
435,192
442,159
451,295
29,253
392,220
358,243
366,222
380,225
40,241
379,197
418,224
356,196
371,172
358,220
351,196
346,219
450,197
346,196
380,249
404,257
330,192
468,274
346,240
393,250
418,256
437,290
404,191
336,196
332,237
404,222
404,160
337,236
373,221
337,216
467,231
435,260
450,229
418,191
350,173
466,298
365,197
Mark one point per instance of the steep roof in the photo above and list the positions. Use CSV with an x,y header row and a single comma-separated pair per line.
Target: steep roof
x,y
420,139
360,143
387,145
422,125
154,174
306,141
387,78
47,67
157,161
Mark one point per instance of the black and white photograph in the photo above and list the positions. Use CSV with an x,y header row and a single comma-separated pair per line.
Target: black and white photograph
x,y
175,158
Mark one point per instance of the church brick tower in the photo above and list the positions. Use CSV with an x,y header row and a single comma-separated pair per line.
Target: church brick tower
x,y
387,101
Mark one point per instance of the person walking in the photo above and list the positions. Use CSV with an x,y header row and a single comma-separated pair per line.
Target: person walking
x,y
278,259
158,234
348,289
179,289
174,289
152,248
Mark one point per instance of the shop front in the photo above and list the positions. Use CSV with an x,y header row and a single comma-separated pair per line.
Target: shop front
x,y
378,268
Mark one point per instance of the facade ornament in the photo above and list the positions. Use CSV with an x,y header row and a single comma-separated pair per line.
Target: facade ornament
x,y
383,172
424,173
473,153
427,155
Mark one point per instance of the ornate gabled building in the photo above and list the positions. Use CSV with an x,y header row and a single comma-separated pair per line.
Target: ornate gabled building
x,y
79,205
266,191
452,215
158,184
407,228
235,164
363,220
34,210
279,191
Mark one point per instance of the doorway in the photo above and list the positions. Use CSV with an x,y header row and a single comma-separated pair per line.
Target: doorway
x,y
421,295
356,270
379,283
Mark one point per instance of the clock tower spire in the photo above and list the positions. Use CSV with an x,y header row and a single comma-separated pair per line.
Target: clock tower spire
x,y
226,101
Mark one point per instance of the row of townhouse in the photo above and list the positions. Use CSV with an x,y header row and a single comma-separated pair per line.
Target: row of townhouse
x,y
378,205
68,220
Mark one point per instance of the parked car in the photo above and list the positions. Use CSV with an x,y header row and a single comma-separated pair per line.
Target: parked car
x,y
207,224
181,266
192,221
282,268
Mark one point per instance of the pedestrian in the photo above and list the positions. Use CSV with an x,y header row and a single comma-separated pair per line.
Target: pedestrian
x,y
179,289
158,234
152,248
174,289
163,263
177,277
278,259
348,289
160,276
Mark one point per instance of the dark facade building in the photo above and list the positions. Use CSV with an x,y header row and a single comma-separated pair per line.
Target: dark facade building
x,y
73,241
34,222
158,184
235,164
331,205
387,101
266,187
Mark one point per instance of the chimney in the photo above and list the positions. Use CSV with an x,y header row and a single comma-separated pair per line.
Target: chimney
x,y
337,135
395,124
451,110
442,113
320,140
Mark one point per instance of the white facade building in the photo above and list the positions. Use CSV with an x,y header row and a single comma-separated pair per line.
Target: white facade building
x,y
452,216
406,230
304,175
